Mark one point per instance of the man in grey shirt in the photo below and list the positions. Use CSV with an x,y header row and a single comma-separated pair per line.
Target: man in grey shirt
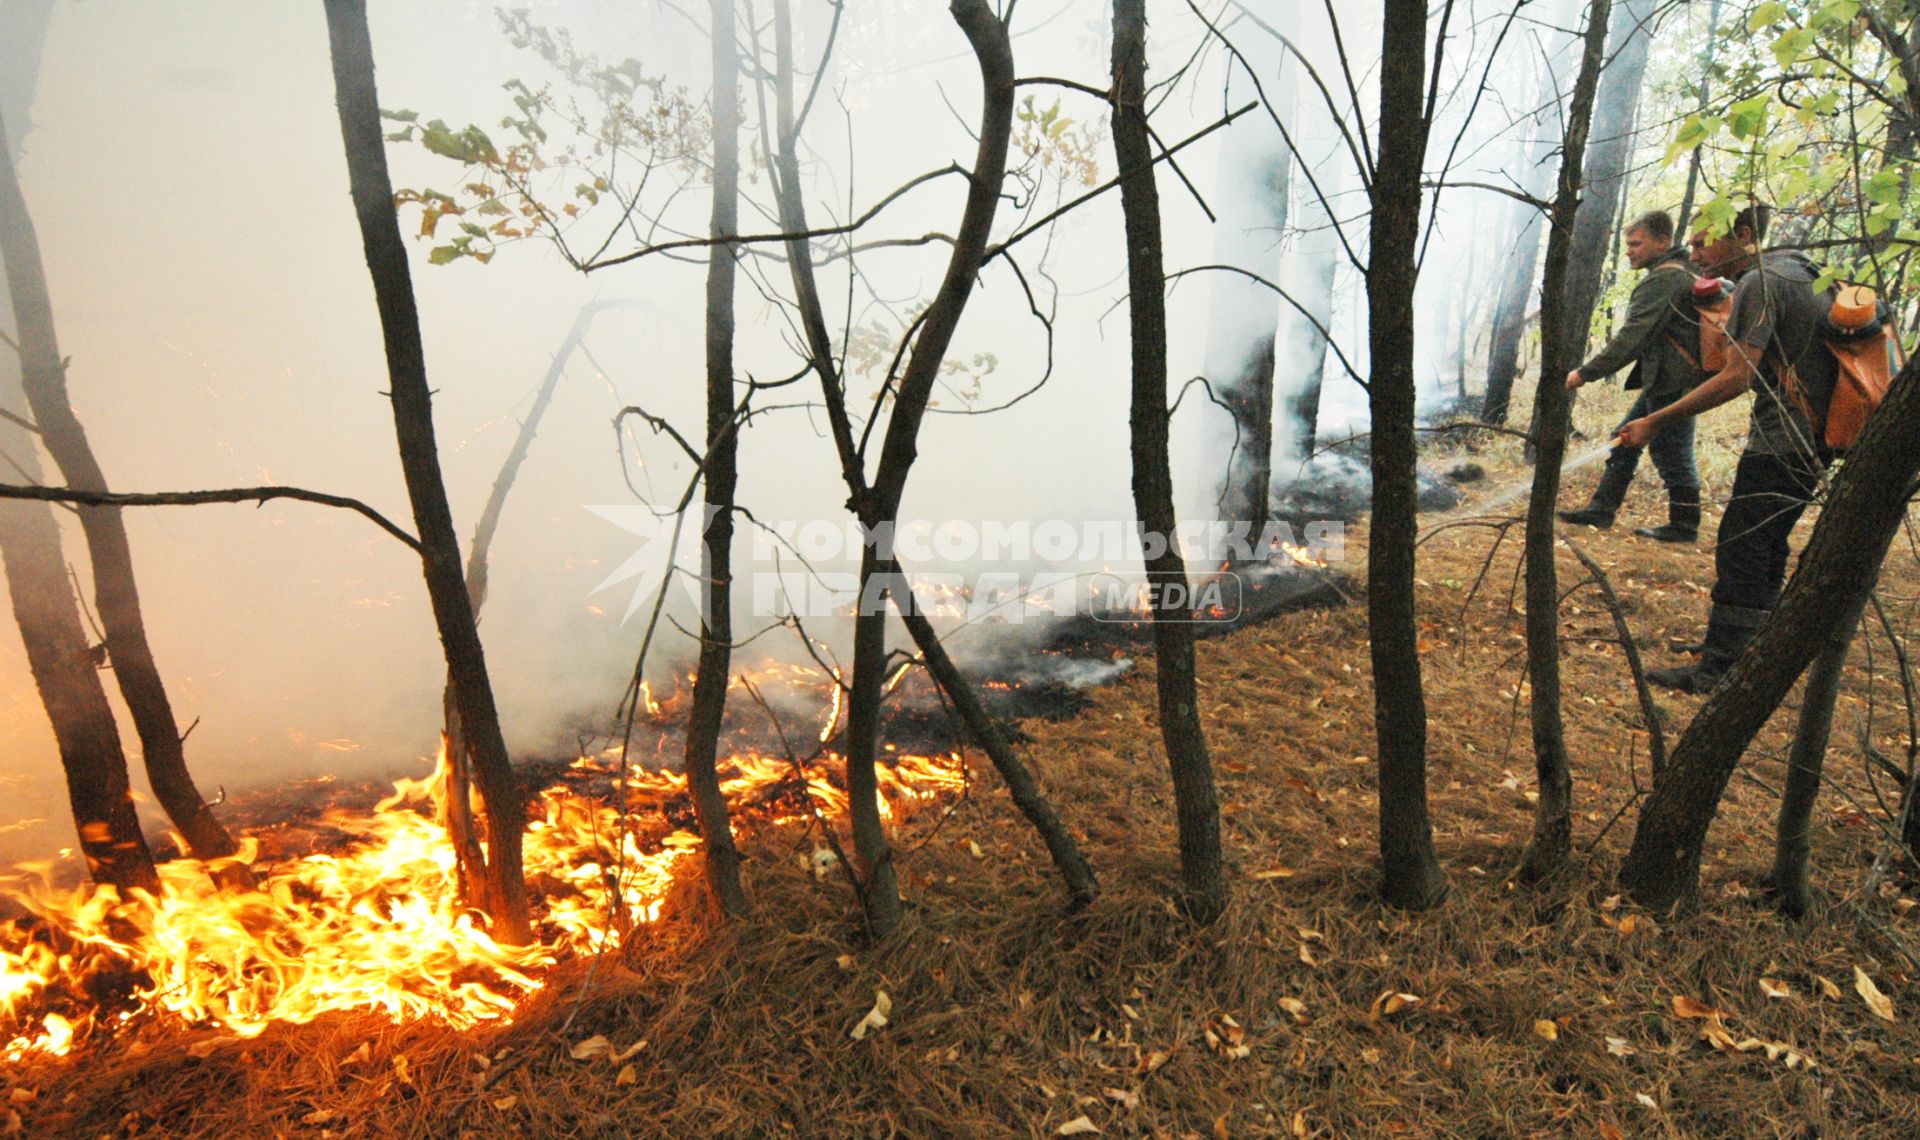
x,y
1778,319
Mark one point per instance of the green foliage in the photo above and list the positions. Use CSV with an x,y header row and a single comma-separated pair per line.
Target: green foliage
x,y
1056,144
1814,120
564,138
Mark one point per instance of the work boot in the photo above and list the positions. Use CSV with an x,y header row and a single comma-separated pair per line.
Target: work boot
x,y
1589,515
1608,494
1729,629
1683,518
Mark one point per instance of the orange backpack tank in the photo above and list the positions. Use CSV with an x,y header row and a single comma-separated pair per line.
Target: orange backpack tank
x,y
1860,336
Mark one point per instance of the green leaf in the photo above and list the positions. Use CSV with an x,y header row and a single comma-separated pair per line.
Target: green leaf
x,y
400,116
1748,118
1765,14
443,254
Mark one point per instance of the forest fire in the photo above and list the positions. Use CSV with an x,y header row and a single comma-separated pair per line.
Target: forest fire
x,y
377,924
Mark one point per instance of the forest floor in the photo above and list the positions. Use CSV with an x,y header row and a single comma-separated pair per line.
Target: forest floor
x,y
1309,1010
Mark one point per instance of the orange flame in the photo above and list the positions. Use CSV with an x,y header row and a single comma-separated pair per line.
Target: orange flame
x,y
377,926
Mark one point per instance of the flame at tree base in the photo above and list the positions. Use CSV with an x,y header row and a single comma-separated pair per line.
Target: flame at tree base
x,y
378,925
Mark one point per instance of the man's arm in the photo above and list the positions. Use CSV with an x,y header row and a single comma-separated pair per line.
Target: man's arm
x,y
1647,313
1729,382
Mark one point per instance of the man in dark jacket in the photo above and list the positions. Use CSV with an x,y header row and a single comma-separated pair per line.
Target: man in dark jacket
x,y
1650,340
1778,320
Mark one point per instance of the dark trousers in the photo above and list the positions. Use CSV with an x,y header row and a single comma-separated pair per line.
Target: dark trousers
x,y
1769,494
1672,448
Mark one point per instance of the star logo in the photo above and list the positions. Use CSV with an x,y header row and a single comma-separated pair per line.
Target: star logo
x,y
659,554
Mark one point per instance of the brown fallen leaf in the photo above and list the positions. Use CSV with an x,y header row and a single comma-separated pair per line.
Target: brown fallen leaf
x,y
1274,873
503,1103
1775,988
1151,1061
1620,1047
1689,1007
1827,987
1296,1009
1078,1126
1546,1030
1124,1098
1879,1003
1392,1002
628,1076
359,1055
595,1046
1226,1037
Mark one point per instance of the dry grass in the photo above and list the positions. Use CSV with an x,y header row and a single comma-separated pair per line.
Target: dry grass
x,y
1010,1018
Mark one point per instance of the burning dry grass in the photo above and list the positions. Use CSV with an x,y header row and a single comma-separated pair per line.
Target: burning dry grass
x,y
1309,1010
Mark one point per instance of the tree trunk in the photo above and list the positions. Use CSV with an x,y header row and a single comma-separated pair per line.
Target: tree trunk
x,y
1805,765
1705,82
43,603
1204,891
458,815
1021,785
1508,324
722,474
1609,163
1411,876
878,506
1553,812
1863,511
412,402
784,159
116,594
1251,207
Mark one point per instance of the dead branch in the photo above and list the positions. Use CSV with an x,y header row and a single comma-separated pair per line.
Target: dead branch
x,y
196,498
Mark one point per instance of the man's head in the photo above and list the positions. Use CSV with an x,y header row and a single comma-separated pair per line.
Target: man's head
x,y
1734,251
1649,237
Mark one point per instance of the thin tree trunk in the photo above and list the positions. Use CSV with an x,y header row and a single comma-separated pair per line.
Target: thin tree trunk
x,y
1510,319
878,507
783,158
1204,890
412,402
1609,162
1021,785
1705,79
1508,324
1553,812
1863,512
43,602
1411,875
1806,763
458,818
116,594
722,474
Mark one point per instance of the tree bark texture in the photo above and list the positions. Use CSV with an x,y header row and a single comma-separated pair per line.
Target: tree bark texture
x,y
722,475
1204,890
1411,875
59,653
1608,165
785,162
412,402
116,592
1553,812
1806,765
